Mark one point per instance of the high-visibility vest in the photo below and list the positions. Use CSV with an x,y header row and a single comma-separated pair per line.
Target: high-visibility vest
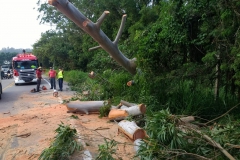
x,y
60,74
32,66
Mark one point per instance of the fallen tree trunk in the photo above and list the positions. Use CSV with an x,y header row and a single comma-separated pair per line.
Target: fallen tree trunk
x,y
136,110
123,112
117,114
84,106
131,130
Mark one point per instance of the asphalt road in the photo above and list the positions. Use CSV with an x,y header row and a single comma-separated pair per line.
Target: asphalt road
x,y
11,93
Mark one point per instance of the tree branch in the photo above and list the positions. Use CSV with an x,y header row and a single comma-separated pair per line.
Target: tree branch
x,y
120,29
101,18
93,29
212,142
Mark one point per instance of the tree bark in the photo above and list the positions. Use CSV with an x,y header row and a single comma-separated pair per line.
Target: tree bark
x,y
84,106
125,103
93,29
216,88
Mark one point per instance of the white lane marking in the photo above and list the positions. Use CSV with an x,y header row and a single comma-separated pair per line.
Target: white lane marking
x,y
47,82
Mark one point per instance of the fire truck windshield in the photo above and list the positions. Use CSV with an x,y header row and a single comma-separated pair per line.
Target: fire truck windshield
x,y
25,64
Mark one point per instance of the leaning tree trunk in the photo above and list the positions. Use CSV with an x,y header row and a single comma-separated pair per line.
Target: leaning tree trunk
x,y
93,29
216,89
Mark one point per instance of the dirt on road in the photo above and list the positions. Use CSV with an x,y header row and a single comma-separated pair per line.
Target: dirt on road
x,y
25,135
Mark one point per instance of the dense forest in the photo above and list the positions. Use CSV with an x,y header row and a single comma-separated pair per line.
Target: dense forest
x,y
187,55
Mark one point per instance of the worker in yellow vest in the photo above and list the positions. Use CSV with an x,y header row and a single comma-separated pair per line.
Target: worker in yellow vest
x,y
60,79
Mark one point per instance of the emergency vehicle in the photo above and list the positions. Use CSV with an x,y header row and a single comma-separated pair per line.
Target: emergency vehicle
x,y
24,67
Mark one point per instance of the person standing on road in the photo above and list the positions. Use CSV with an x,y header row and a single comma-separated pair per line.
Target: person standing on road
x,y
60,79
52,76
39,77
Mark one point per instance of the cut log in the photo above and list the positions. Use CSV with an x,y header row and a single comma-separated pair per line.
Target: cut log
x,y
124,111
125,103
85,106
136,110
123,107
131,130
117,114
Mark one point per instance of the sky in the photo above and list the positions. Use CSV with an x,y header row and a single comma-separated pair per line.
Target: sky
x,y
19,27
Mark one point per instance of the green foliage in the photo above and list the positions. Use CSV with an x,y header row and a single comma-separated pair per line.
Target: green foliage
x,y
163,135
164,129
75,78
74,117
63,146
74,98
107,150
104,110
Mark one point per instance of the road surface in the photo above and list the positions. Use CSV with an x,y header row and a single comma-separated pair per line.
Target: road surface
x,y
12,93
28,120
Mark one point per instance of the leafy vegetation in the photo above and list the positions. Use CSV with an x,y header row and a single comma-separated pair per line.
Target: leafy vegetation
x,y
107,150
104,110
64,144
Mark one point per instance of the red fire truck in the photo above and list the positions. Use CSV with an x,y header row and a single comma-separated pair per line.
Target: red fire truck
x,y
24,67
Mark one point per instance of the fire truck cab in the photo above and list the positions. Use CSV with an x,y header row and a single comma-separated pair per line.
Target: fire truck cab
x,y
24,68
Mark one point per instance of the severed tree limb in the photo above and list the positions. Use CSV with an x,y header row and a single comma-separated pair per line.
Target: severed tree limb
x,y
93,29
233,146
125,103
212,142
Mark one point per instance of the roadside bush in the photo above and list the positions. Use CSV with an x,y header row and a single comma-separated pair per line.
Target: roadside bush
x,y
75,78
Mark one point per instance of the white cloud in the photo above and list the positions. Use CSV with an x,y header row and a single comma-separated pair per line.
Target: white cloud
x,y
19,27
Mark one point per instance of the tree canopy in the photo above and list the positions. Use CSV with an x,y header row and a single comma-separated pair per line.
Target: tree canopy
x,y
176,38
